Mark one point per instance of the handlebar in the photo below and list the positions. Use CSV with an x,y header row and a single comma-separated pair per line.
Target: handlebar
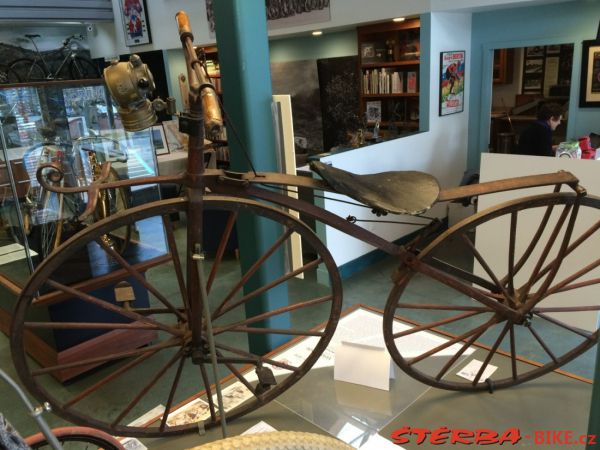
x,y
74,37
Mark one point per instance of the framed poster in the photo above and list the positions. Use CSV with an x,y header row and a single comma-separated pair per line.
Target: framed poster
x,y
452,82
373,111
135,22
589,88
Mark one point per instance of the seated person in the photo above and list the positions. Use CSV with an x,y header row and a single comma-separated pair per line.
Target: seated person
x,y
537,138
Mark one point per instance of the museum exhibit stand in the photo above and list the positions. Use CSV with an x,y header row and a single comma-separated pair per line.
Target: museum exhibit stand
x,y
74,126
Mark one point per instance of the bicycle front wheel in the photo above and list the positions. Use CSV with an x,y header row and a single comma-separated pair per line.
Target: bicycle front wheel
x,y
82,69
251,309
531,257
76,438
25,70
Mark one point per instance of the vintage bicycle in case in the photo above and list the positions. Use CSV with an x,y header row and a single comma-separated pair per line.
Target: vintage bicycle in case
x,y
210,312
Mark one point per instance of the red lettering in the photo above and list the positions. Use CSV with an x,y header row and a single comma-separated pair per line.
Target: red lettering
x,y
421,434
486,437
591,439
538,437
569,437
556,437
460,437
439,436
512,435
398,436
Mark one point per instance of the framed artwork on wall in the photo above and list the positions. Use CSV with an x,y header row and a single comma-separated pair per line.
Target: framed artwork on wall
x,y
589,88
135,22
452,82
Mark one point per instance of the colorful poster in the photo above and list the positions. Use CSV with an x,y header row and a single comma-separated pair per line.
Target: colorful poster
x,y
135,22
452,82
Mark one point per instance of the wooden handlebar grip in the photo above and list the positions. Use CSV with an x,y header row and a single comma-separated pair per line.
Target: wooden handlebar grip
x,y
213,120
183,22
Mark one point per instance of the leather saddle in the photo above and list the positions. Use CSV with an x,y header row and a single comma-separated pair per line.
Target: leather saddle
x,y
398,192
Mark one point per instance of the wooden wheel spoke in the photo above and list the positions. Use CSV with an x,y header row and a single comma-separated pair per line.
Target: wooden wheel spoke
x,y
175,258
458,354
452,341
461,274
110,307
513,352
291,332
172,391
253,269
577,331
90,326
140,279
488,269
491,353
211,403
468,290
542,343
274,312
106,358
157,376
511,255
431,325
573,246
238,375
221,249
113,375
256,358
265,288
536,237
538,267
565,285
442,307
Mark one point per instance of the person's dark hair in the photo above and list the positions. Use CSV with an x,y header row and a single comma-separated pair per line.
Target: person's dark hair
x,y
548,110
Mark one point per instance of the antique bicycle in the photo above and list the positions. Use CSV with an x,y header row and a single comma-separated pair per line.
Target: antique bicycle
x,y
212,318
72,66
55,438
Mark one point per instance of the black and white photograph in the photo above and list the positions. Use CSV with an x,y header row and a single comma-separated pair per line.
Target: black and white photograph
x,y
534,65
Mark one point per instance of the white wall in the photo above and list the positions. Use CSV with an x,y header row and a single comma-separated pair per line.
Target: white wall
x,y
441,151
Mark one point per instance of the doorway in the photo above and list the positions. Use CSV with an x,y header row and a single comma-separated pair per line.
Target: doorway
x,y
523,80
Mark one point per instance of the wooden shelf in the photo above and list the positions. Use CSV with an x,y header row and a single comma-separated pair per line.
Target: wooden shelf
x,y
375,65
388,53
390,95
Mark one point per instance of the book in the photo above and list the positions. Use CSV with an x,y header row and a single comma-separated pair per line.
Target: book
x,y
411,82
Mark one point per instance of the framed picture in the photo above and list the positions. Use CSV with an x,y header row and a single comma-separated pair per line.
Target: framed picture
x,y
534,65
452,82
589,88
373,111
159,141
534,52
552,49
135,22
372,52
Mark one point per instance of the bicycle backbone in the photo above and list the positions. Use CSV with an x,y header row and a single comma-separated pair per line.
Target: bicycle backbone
x,y
208,301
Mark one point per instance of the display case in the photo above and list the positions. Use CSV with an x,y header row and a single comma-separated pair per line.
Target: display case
x,y
74,125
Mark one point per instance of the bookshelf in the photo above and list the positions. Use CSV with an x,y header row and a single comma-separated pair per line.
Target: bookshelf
x,y
389,58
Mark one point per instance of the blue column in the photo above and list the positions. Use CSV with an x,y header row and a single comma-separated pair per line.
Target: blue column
x,y
241,28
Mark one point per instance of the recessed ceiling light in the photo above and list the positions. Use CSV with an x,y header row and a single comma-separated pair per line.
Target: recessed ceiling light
x,y
317,33
398,19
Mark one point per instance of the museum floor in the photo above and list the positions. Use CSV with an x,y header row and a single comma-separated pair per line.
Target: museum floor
x,y
369,287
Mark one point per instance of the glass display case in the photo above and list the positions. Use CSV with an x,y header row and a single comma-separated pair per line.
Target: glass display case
x,y
74,125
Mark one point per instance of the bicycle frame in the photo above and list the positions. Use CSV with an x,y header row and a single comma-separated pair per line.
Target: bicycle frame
x,y
51,75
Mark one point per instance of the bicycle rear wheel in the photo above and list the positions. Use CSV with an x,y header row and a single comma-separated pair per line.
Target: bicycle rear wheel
x,y
76,438
251,309
82,69
25,70
537,267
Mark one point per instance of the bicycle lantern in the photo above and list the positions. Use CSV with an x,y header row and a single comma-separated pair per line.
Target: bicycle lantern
x,y
130,84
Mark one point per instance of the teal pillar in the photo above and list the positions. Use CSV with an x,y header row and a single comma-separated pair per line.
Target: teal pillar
x,y
594,423
241,29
